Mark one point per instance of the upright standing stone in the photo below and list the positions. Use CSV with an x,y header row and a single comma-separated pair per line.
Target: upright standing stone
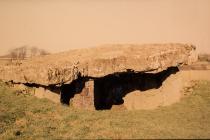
x,y
85,99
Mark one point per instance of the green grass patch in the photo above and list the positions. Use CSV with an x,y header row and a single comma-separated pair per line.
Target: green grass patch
x,y
26,117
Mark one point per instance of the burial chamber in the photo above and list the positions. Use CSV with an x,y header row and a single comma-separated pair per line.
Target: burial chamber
x,y
100,77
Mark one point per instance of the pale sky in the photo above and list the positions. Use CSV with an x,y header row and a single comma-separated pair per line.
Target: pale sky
x,y
59,25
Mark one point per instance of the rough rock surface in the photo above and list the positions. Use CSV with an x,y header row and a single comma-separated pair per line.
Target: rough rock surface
x,y
97,62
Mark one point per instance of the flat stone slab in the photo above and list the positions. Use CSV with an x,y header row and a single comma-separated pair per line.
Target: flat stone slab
x,y
99,61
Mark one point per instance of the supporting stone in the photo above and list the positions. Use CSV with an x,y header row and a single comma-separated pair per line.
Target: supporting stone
x,y
45,93
39,92
85,99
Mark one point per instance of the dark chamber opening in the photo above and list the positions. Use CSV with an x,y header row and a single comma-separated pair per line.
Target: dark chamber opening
x,y
52,88
110,90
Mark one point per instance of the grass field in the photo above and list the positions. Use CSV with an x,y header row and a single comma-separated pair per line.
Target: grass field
x,y
26,117
3,62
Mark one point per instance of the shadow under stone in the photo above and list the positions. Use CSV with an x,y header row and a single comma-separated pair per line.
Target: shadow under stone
x,y
68,91
110,90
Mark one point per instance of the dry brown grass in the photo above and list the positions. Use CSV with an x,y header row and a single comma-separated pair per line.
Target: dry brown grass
x,y
3,61
204,57
26,117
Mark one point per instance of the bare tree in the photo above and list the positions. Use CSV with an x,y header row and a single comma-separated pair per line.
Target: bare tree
x,y
23,52
13,54
43,52
34,51
18,53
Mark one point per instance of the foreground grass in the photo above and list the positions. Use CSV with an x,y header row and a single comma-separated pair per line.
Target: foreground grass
x,y
26,117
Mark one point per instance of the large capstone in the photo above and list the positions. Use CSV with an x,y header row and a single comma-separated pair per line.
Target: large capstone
x,y
100,77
